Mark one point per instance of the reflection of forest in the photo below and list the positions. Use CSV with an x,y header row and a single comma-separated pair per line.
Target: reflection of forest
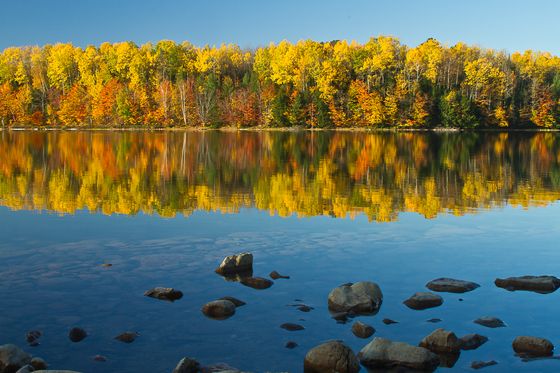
x,y
308,173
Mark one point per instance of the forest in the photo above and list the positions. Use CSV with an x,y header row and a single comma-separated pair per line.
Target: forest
x,y
380,84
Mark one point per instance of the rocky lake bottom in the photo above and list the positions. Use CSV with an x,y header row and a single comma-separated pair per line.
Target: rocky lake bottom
x,y
54,279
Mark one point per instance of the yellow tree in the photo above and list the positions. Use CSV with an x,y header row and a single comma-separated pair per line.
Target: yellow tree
x,y
62,68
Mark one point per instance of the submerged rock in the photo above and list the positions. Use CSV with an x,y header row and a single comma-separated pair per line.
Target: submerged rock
x,y
532,346
363,297
481,364
389,321
490,322
12,358
332,357
258,283
235,263
77,334
219,309
99,358
423,300
127,337
275,275
291,344
434,320
291,326
538,284
33,335
472,341
441,340
305,308
167,294
236,302
362,330
383,352
38,364
220,367
451,285
186,365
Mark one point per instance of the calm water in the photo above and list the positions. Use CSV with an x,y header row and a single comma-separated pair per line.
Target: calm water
x,y
324,208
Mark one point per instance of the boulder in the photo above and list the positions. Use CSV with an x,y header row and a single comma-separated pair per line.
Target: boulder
x,y
236,263
186,365
38,364
258,283
167,294
363,297
423,300
490,322
26,369
77,334
331,357
12,358
538,284
219,309
441,340
472,341
532,346
362,330
127,337
383,352
450,285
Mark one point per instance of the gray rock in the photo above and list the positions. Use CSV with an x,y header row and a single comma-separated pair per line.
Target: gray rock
x,y
167,294
258,283
490,322
127,337
219,309
472,341
38,364
26,369
186,365
451,285
362,330
538,284
361,297
423,300
236,263
77,334
383,352
441,340
332,357
532,346
12,358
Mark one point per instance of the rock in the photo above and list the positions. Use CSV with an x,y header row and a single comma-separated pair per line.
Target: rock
x,y
450,285
305,308
340,316
33,335
34,344
99,358
236,302
167,294
472,341
55,371
434,320
220,367
441,340
291,344
12,358
481,364
291,327
236,263
383,352
423,300
275,275
219,309
362,330
538,284
532,346
448,360
127,337
332,357
490,322
26,369
389,321
186,365
258,283
38,364
363,297
107,265
77,334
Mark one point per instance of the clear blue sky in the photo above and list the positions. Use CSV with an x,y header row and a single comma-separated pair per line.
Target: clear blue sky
x,y
512,25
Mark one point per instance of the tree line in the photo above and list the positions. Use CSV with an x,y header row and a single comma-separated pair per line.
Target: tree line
x,y
380,84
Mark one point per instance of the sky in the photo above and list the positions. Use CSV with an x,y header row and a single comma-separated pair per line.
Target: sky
x,y
509,25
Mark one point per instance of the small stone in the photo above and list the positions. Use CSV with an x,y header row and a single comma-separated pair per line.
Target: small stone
x,y
389,321
472,341
166,294
291,344
107,265
332,357
441,340
423,300
77,334
219,309
127,337
99,358
532,346
305,308
34,344
33,335
291,326
186,365
490,322
38,364
275,275
362,330
481,364
434,320
340,316
451,285
258,283
236,302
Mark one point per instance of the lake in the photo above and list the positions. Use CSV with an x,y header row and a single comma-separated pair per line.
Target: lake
x,y
325,208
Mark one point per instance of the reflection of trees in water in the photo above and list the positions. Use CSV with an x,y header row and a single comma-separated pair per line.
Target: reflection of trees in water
x,y
308,173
